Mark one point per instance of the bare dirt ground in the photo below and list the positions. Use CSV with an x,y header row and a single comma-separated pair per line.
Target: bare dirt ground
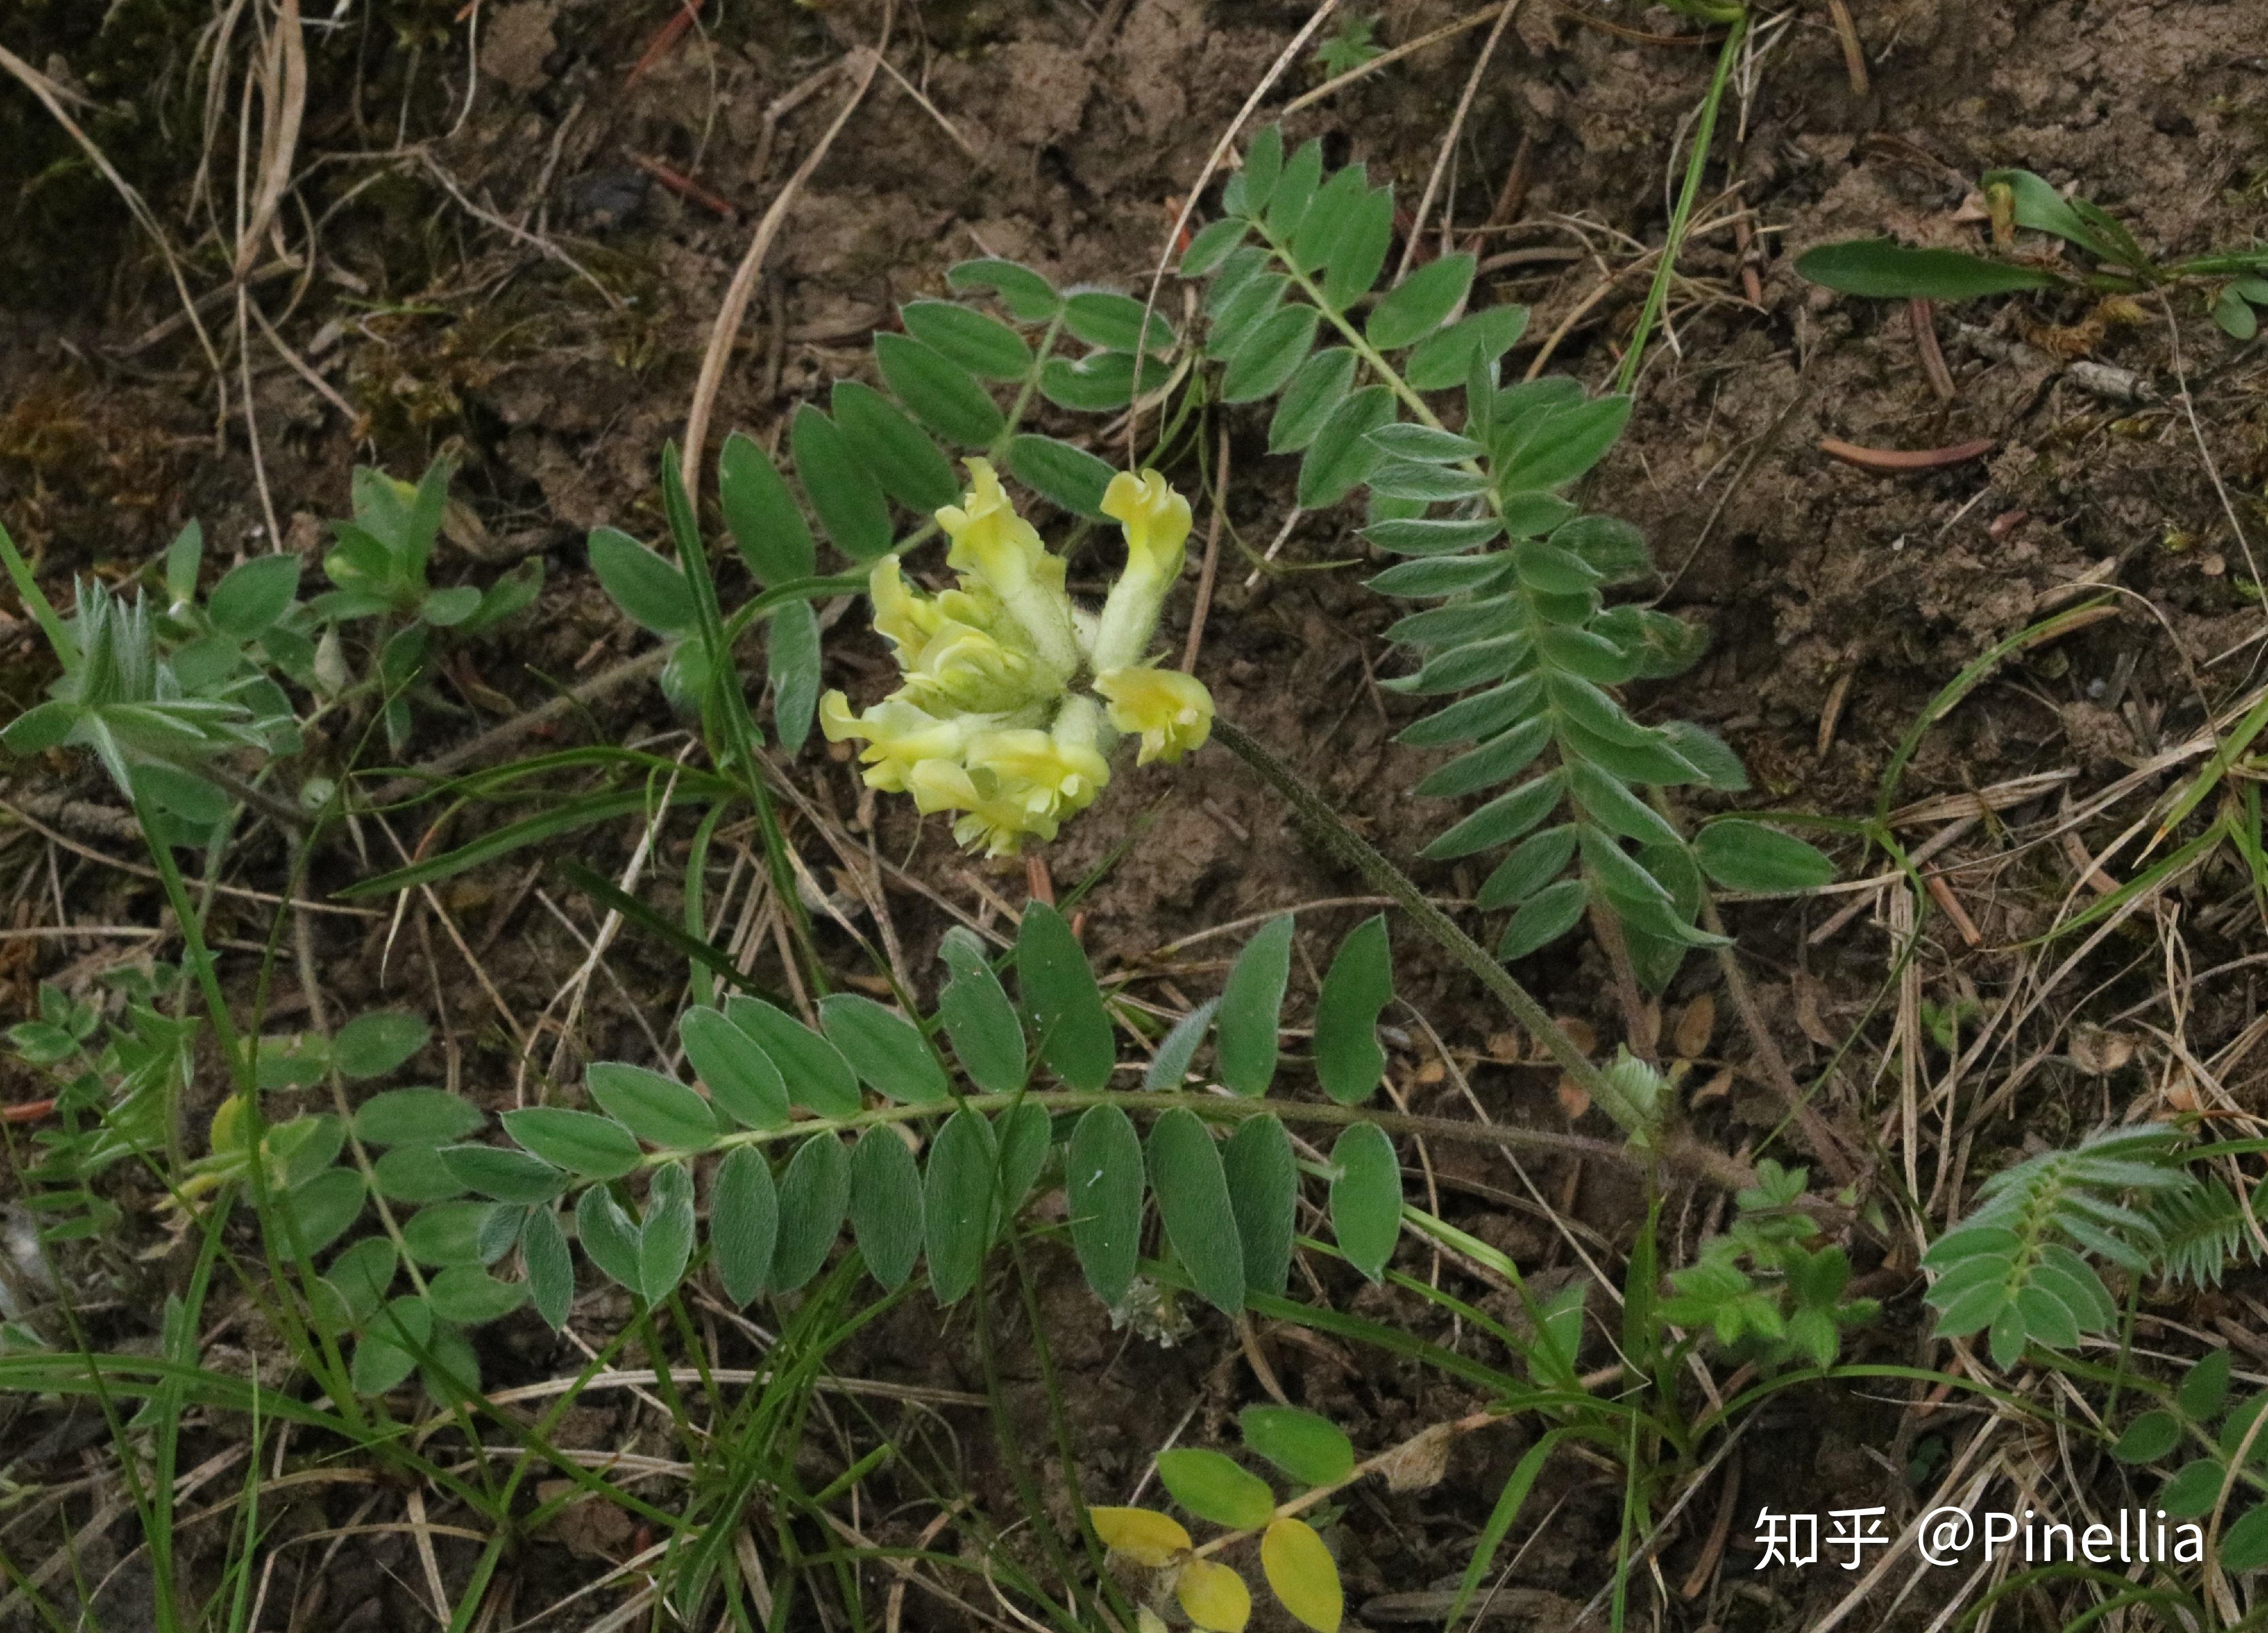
x,y
499,276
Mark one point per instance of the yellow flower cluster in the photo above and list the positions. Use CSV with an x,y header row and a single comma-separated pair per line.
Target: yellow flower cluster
x,y
991,721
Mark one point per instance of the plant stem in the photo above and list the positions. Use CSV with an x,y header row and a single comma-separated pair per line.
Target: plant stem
x,y
1391,880
1699,1161
1657,293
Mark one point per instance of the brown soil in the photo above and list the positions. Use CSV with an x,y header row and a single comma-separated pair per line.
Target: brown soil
x,y
1062,134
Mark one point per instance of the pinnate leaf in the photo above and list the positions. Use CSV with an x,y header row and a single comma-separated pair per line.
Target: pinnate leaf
x,y
884,1048
1186,1173
660,1110
1302,1574
1312,1450
1103,1187
1250,1006
886,1205
371,1045
1216,1488
1066,1005
743,1223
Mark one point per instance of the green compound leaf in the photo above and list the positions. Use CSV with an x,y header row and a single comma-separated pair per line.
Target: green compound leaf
x,y
1545,916
1185,1173
1102,1173
447,1232
386,1354
813,1194
610,1239
1070,477
940,393
818,1077
371,1045
1024,292
1561,445
1747,856
1420,304
1064,1004
980,343
1212,1487
416,1117
2206,1390
2195,1490
1263,163
884,1048
1365,1197
2148,1438
851,505
886,1205
1171,1064
1311,1450
1356,991
666,1238
253,595
1888,271
1427,445
550,1267
1025,1133
2244,1544
1238,308
979,1018
1330,227
1343,455
469,1296
496,1171
743,1080
317,1213
1356,254
1444,360
660,1110
420,1173
2007,1337
899,453
651,591
1500,758
1264,1191
765,521
1441,536
1312,397
1503,820
1100,381
580,1142
1113,322
1534,863
743,1223
1211,244
1294,191
1250,1006
959,1204
1269,355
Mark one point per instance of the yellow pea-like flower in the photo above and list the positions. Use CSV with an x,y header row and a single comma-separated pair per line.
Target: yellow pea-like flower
x,y
1172,711
1156,522
1000,550
991,721
1303,1574
1214,1597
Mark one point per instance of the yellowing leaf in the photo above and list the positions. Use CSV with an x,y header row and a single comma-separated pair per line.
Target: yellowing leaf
x,y
1214,1597
1305,1576
1148,1621
1142,1534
